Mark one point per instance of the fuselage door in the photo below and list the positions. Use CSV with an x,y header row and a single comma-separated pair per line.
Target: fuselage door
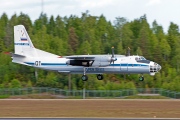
x,y
123,66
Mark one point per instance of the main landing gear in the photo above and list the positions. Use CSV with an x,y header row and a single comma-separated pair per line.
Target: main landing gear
x,y
99,77
85,77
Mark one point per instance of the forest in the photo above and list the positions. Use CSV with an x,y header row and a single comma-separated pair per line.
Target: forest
x,y
73,35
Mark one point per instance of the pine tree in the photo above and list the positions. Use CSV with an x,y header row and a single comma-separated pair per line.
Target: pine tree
x,y
73,40
172,38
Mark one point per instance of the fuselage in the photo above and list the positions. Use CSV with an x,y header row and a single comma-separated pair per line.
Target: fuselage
x,y
123,64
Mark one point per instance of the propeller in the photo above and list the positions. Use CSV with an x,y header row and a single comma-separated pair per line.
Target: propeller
x,y
113,58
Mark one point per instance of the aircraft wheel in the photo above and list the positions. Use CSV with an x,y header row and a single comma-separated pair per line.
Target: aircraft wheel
x,y
141,78
99,77
84,77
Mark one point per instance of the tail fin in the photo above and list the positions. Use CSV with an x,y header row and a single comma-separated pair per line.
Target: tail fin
x,y
23,45
22,41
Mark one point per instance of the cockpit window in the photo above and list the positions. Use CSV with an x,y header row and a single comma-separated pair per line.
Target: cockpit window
x,y
142,58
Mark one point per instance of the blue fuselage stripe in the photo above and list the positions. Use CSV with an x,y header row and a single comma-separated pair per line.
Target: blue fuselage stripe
x,y
53,64
62,64
46,64
128,65
29,63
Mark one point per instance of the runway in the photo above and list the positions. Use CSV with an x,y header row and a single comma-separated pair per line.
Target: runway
x,y
91,109
89,118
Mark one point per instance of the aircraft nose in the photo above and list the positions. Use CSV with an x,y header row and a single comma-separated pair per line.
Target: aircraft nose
x,y
154,67
158,67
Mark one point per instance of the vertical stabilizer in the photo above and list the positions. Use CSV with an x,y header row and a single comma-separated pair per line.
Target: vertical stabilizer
x,y
22,41
23,45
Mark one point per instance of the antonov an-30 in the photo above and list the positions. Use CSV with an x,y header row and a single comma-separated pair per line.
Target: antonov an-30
x,y
27,54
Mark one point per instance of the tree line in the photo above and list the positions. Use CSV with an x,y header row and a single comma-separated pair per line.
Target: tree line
x,y
91,35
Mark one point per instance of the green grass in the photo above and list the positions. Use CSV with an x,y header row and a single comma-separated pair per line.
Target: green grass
x,y
33,96
48,96
145,97
4,96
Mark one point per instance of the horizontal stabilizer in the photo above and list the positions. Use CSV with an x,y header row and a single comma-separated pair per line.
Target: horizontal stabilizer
x,y
16,55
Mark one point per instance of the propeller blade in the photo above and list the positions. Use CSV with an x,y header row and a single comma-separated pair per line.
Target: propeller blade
x,y
112,52
129,51
113,58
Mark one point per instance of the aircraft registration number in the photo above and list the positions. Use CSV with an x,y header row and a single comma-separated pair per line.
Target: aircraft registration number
x,y
95,69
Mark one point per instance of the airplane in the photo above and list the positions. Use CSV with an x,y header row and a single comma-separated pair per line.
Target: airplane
x,y
27,54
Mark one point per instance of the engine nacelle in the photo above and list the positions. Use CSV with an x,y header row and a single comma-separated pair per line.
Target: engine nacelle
x,y
102,61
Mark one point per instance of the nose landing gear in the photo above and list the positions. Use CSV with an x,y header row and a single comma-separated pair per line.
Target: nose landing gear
x,y
141,78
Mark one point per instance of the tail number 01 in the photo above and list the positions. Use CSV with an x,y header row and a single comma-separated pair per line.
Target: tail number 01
x,y
37,63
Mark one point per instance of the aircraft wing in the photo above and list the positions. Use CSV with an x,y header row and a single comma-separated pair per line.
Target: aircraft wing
x,y
81,60
80,57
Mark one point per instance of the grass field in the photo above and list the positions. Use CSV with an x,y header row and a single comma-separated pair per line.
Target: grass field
x,y
89,108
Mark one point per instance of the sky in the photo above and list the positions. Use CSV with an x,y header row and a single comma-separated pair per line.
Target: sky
x,y
163,11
